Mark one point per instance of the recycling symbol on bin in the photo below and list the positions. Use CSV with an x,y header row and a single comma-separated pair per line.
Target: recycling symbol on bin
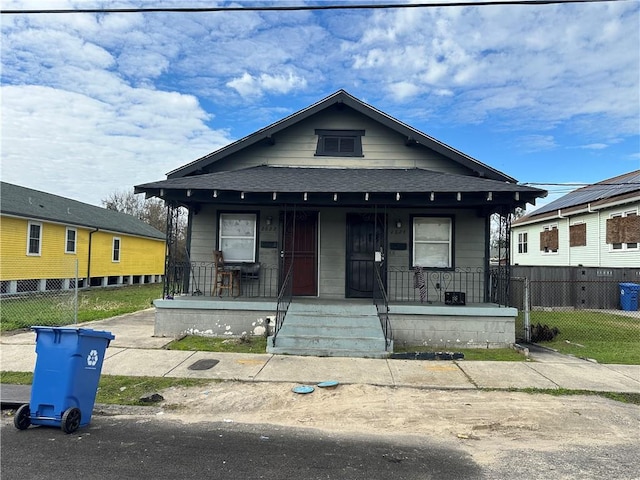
x,y
92,358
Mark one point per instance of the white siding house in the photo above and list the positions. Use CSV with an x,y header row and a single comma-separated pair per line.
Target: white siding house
x,y
594,226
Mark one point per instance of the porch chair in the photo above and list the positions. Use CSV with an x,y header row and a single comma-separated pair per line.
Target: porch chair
x,y
227,278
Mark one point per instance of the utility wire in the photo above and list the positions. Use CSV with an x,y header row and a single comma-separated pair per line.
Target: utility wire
x,y
267,8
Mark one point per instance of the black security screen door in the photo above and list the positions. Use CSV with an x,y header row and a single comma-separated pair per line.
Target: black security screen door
x,y
365,236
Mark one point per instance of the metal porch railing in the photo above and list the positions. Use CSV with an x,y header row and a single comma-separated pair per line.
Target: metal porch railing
x,y
381,301
284,300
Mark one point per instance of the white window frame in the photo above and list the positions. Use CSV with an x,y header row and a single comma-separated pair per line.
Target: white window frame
x,y
449,242
114,250
225,236
546,228
624,246
39,252
66,240
523,242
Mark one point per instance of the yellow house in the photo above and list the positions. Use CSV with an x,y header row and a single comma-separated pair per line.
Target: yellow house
x,y
48,241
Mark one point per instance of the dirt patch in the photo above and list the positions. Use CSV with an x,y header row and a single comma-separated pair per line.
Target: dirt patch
x,y
486,423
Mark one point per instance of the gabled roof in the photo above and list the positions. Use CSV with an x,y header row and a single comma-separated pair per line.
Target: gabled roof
x,y
600,193
33,204
342,97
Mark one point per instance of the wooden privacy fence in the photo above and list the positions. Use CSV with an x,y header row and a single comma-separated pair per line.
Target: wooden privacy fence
x,y
575,287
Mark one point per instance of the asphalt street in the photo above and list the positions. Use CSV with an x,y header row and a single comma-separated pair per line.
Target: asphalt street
x,y
149,447
136,447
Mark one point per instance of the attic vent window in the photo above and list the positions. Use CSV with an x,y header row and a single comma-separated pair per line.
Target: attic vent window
x,y
339,143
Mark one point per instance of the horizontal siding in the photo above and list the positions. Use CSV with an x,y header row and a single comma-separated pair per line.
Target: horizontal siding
x,y
332,253
203,235
597,253
469,242
610,257
382,148
139,256
53,262
534,255
585,255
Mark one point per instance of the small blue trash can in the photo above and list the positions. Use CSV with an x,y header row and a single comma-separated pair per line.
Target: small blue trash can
x,y
66,377
629,296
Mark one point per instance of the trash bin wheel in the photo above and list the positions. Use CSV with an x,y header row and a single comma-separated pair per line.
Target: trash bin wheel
x,y
22,419
70,420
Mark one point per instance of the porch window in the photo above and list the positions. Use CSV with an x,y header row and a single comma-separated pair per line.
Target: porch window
x,y
116,249
70,244
523,242
34,239
623,231
339,143
237,236
432,241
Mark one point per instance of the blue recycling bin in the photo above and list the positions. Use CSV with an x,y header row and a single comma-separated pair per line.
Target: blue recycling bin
x,y
65,379
629,296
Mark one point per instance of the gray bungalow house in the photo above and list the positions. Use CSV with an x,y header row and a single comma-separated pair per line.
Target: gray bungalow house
x,y
342,230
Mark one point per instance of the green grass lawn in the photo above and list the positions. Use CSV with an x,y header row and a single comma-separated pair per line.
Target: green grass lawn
x,y
252,344
116,389
120,390
606,338
54,309
255,344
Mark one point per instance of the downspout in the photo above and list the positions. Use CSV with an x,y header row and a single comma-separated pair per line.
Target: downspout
x,y
89,258
599,240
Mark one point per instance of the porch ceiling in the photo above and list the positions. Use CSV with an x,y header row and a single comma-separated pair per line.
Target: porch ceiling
x,y
392,186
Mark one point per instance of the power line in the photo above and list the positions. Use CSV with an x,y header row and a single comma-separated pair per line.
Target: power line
x,y
365,6
603,185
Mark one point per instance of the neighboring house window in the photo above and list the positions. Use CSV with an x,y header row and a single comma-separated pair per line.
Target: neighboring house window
x,y
432,242
70,244
522,242
578,235
237,237
339,143
116,249
623,231
549,239
34,238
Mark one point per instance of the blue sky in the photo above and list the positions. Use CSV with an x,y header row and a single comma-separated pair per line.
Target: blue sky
x,y
97,103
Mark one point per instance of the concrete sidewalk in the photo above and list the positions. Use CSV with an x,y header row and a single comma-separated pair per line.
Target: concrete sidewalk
x,y
136,352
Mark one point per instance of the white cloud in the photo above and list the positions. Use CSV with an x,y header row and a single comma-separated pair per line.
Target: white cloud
x,y
98,95
254,86
402,91
81,147
595,146
555,62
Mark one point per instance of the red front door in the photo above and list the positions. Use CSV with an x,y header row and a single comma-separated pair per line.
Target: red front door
x,y
301,248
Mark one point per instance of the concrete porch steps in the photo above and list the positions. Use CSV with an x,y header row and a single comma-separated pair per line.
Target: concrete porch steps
x,y
325,329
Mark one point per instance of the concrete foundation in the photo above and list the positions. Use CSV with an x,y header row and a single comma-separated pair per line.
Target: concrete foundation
x,y
448,327
189,316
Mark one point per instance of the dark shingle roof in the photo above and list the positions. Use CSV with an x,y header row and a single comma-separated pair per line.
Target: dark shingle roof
x,y
34,204
612,187
298,179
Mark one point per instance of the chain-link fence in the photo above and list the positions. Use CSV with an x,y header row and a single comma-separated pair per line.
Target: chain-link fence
x,y
43,294
594,319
